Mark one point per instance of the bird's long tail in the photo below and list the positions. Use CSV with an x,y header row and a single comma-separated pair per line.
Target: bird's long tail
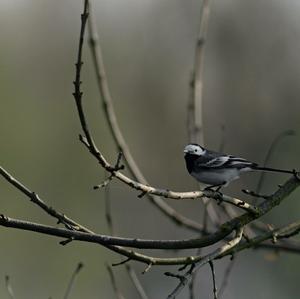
x,y
273,169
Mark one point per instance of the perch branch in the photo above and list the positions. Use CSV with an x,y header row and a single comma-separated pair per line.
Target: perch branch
x,y
149,190
224,230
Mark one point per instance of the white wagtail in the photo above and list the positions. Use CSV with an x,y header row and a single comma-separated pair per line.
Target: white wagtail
x,y
217,169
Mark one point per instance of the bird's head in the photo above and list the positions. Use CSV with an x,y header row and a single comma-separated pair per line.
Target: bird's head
x,y
194,149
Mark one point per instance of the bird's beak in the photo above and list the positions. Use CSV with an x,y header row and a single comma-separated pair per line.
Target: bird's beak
x,y
185,151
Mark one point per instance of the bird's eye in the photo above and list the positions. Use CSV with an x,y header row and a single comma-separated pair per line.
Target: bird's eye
x,y
196,150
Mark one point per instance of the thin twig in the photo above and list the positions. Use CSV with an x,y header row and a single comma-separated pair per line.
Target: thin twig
x,y
271,150
9,288
118,293
147,269
206,259
122,262
117,166
279,233
136,282
254,194
72,280
34,198
108,215
192,285
69,223
212,268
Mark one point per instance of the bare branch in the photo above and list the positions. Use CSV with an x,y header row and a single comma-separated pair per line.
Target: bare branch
x,y
254,194
275,199
218,235
284,232
62,218
191,286
69,223
271,150
108,215
279,233
122,262
147,269
206,259
72,280
118,166
212,268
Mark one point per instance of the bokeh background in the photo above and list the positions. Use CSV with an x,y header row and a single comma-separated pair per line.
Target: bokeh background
x,y
251,86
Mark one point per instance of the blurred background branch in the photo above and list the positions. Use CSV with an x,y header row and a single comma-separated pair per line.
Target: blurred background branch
x,y
195,104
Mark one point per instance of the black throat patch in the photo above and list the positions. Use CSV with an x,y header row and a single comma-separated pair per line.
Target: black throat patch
x,y
190,161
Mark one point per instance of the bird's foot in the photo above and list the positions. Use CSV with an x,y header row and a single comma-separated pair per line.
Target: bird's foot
x,y
216,192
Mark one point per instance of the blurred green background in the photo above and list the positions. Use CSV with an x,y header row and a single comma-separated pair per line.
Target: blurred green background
x,y
251,86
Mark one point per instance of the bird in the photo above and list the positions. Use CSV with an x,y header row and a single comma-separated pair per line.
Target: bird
x,y
217,169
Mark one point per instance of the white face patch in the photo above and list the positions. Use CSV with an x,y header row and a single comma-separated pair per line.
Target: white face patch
x,y
194,149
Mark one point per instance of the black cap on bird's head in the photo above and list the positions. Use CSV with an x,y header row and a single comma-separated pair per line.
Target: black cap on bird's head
x,y
194,149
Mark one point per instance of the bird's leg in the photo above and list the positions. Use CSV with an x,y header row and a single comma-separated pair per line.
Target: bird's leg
x,y
217,191
219,186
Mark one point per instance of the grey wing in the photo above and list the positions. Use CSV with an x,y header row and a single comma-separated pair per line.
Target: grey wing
x,y
212,162
238,162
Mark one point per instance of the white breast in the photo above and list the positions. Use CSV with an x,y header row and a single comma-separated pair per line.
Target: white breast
x,y
216,176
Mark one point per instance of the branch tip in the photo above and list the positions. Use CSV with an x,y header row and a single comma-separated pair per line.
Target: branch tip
x,y
147,268
67,241
122,262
